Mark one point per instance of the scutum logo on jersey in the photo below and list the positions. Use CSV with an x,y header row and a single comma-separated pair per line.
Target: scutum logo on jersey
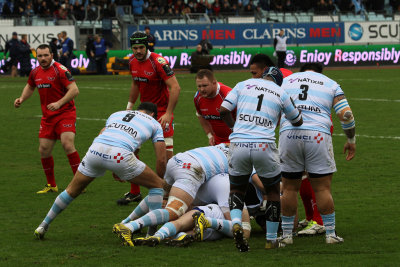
x,y
141,79
309,108
124,128
260,121
44,85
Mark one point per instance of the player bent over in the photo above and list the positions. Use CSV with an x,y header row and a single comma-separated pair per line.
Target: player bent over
x,y
185,173
259,103
113,150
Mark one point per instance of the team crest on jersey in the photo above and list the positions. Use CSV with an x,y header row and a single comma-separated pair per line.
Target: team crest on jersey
x,y
161,60
51,78
148,73
63,67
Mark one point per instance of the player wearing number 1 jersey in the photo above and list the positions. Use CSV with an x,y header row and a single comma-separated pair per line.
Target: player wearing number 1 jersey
x,y
309,147
57,90
113,150
259,103
155,82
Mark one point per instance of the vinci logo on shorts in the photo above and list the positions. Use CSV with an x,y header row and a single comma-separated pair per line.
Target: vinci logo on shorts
x,y
101,155
319,138
118,157
356,31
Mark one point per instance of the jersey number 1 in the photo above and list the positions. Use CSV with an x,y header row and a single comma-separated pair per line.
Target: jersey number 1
x,y
260,99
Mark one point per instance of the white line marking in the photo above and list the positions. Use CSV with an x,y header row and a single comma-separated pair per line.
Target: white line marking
x,y
374,99
371,136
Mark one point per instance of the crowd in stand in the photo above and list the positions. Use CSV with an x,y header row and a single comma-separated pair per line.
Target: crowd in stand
x,y
93,10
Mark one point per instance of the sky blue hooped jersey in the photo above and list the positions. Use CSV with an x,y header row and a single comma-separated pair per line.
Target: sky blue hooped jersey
x,y
313,94
213,159
259,103
129,129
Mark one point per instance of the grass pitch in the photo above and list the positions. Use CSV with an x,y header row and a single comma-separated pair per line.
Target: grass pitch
x,y
366,190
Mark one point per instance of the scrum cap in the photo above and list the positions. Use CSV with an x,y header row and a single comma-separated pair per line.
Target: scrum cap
x,y
275,74
139,38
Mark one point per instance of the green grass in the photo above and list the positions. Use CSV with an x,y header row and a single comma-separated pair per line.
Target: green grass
x,y
366,190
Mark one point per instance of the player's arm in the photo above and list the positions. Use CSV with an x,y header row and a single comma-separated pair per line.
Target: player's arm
x,y
292,114
72,92
161,158
175,90
207,129
226,116
133,95
345,115
26,93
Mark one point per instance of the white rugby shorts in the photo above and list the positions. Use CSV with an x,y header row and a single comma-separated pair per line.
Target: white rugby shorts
x,y
263,156
101,157
306,150
185,172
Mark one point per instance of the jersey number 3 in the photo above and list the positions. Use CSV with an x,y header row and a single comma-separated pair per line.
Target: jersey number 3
x,y
304,89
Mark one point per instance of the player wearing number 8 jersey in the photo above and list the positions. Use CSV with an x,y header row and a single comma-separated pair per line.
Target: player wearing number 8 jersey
x,y
309,147
113,150
259,103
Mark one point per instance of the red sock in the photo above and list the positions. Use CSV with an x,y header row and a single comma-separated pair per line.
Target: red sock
x,y
306,194
135,189
48,167
74,161
316,216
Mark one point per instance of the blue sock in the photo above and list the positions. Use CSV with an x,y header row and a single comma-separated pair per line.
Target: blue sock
x,y
141,209
329,223
155,198
166,231
236,216
61,203
154,217
272,230
287,224
221,225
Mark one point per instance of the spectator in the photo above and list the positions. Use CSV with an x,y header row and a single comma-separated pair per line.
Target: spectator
x,y
54,48
200,60
200,7
44,10
264,4
206,46
67,46
79,11
25,56
89,52
137,6
150,38
101,47
216,8
13,46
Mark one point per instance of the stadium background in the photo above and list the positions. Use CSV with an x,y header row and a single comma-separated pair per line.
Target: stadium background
x,y
366,190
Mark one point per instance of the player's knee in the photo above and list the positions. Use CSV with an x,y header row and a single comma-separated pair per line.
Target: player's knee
x,y
44,151
69,147
176,207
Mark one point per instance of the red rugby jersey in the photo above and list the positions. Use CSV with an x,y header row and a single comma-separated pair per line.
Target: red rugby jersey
x,y
151,75
208,108
51,84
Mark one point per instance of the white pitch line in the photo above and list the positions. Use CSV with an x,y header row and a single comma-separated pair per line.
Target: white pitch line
x,y
373,99
371,136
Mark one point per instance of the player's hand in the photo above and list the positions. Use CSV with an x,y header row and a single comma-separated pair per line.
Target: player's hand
x,y
211,141
350,149
53,106
164,120
17,102
116,178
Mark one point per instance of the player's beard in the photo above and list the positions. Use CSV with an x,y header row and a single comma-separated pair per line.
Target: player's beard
x,y
45,63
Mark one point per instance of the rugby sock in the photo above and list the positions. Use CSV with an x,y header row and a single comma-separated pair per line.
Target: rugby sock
x,y
139,211
135,189
329,223
74,161
236,216
48,167
154,217
221,225
306,194
166,230
272,230
61,203
287,224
